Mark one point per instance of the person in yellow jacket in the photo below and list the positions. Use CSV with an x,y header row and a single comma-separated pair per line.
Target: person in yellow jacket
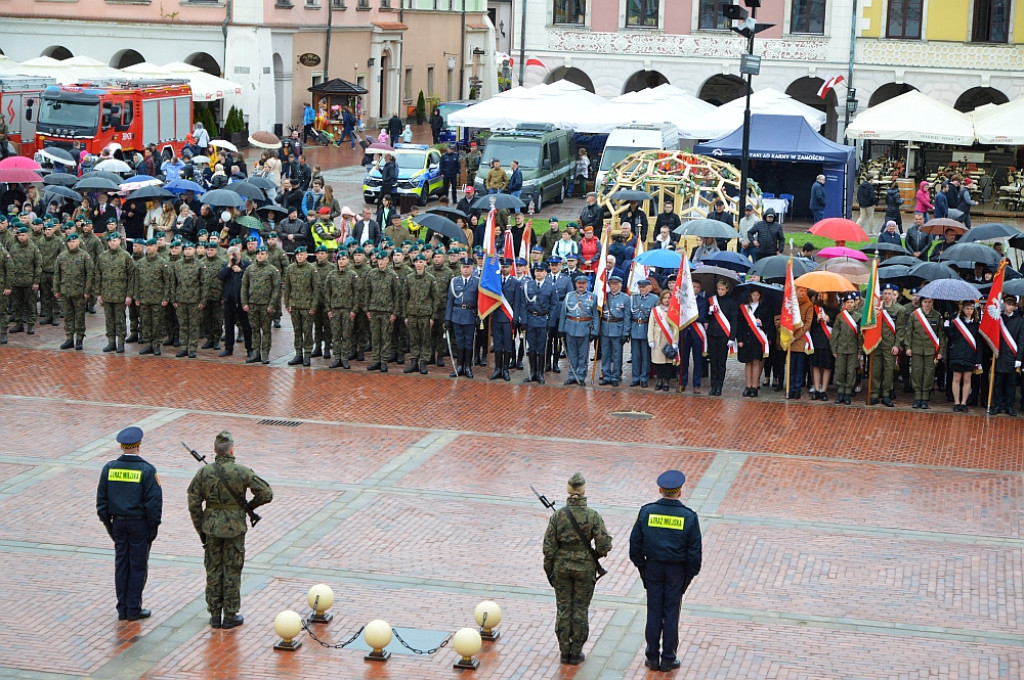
x,y
325,232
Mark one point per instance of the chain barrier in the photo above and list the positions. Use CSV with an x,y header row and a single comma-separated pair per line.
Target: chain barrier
x,y
428,652
355,636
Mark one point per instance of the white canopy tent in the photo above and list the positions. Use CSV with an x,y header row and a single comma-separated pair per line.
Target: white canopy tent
x,y
1000,124
65,72
558,103
663,104
913,117
205,87
728,117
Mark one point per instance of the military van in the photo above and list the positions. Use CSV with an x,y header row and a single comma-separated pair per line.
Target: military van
x,y
544,155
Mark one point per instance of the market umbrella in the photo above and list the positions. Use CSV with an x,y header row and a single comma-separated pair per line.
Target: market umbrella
x,y
247,190
630,195
728,260
265,210
989,232
440,224
825,282
150,193
57,155
929,271
92,174
180,186
905,260
60,178
223,144
708,275
885,248
770,292
974,252
661,258
262,183
19,162
450,213
62,191
380,146
222,198
265,140
939,225
96,184
839,229
501,202
851,270
842,251
949,289
774,267
113,165
706,228
19,176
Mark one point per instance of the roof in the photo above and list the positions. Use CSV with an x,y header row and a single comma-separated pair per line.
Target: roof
x,y
339,87
390,25
778,138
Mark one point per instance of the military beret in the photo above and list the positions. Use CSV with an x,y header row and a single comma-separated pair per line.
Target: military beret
x,y
203,232
72,237
235,242
671,479
342,253
466,262
419,258
111,220
300,249
113,235
69,225
129,437
188,244
321,248
213,244
160,234
150,241
176,243
406,242
49,224
580,277
250,239
614,279
261,249
22,230
890,286
3,217
554,260
421,241
348,242
387,240
37,220
577,480
272,234
573,224
131,243
553,219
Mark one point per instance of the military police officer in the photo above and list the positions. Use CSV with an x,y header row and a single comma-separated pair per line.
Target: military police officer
x,y
129,502
578,324
214,498
665,546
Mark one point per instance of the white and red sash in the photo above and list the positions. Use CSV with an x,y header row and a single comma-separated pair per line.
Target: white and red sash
x,y
662,319
966,332
702,334
720,317
845,315
1007,338
825,328
758,332
922,319
890,324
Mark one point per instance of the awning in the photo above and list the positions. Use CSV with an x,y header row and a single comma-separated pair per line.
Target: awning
x,y
913,117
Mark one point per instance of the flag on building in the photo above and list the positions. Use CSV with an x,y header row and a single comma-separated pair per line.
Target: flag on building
x,y
829,85
790,320
869,324
992,326
682,308
534,61
490,295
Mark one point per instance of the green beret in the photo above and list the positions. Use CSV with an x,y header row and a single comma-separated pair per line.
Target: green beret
x,y
69,225
575,225
150,241
300,249
176,243
350,242
112,235
37,220
252,239
111,220
160,234
214,244
203,232
576,481
22,230
272,234
419,257
261,249
235,242
72,237
188,244
321,248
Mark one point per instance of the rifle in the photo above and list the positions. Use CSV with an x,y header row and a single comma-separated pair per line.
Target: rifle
x,y
239,498
601,571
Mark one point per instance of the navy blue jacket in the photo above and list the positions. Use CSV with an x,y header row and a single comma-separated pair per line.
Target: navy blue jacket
x,y
515,181
817,196
462,300
450,166
540,303
666,531
129,487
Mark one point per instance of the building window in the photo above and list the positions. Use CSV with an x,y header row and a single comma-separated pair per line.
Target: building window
x,y
642,13
808,16
711,17
991,21
430,80
904,19
570,12
408,84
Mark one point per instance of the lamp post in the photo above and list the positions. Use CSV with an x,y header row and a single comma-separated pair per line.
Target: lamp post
x,y
750,65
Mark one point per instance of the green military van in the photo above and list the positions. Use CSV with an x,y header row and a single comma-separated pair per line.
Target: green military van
x,y
544,156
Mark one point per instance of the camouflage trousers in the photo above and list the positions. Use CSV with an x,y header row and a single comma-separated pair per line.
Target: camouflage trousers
x,y
211,321
224,559
438,337
302,328
400,338
151,322
419,337
341,329
322,329
23,304
380,335
134,319
170,321
573,592
74,314
113,315
46,299
259,319
188,325
361,332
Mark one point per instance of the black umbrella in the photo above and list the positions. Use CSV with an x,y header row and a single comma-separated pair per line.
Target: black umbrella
x,y
151,192
897,274
973,252
97,184
450,213
904,260
441,225
706,228
57,155
774,267
500,201
60,179
885,248
1015,287
92,174
709,275
247,190
222,198
770,292
929,271
988,232
271,208
61,191
630,195
262,183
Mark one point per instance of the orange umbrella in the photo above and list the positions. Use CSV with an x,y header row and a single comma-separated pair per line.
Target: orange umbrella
x,y
839,229
825,282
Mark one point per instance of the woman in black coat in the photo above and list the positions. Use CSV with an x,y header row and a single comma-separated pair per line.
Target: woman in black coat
x,y
723,313
755,330
893,201
826,308
436,124
964,356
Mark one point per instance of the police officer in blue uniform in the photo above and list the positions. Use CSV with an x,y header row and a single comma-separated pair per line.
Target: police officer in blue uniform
x,y
502,326
460,316
665,546
614,326
578,323
562,285
130,503
540,307
641,305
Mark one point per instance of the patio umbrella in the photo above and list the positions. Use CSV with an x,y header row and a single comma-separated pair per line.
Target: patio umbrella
x,y
150,192
57,155
630,195
770,292
440,224
885,248
247,190
180,186
62,191
19,162
450,213
974,252
96,184
728,260
851,270
706,228
222,198
380,146
825,282
842,251
116,179
265,140
949,289
929,271
223,144
839,229
19,176
989,232
774,267
905,260
501,202
661,258
939,225
113,165
60,178
708,275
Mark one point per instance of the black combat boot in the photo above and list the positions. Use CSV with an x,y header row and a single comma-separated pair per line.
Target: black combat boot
x,y
423,367
384,367
181,353
533,368
111,346
206,345
31,329
68,344
148,349
412,367
316,352
296,360
78,341
306,361
134,337
156,349
232,621
467,367
499,363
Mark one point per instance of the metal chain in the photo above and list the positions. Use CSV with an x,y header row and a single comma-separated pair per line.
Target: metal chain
x,y
355,636
420,651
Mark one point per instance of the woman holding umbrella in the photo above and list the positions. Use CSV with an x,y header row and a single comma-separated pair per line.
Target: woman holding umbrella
x,y
754,338
722,319
963,348
826,308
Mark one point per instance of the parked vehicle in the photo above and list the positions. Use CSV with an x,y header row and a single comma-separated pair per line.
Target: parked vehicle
x,y
19,101
419,173
544,156
632,138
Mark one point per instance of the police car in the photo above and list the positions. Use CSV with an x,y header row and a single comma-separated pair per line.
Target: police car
x,y
419,173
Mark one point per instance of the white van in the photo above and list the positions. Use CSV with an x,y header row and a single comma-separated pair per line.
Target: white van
x,y
629,139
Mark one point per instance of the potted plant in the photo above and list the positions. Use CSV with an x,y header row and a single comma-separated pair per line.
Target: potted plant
x,y
235,129
421,109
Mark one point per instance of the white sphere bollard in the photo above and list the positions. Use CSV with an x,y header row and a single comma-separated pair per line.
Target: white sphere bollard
x,y
288,625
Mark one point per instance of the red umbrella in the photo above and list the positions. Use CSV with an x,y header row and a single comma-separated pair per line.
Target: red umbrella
x,y
19,176
839,229
20,162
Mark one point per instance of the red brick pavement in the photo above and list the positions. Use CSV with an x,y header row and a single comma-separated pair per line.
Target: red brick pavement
x,y
972,503
27,424
526,650
795,428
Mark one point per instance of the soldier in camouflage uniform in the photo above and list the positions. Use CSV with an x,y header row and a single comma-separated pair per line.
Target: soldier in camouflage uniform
x,y
383,305
93,245
5,290
443,276
260,284
220,523
115,283
423,299
6,234
339,295
134,317
72,285
321,322
399,332
301,288
187,277
173,255
50,247
361,324
152,294
845,345
570,568
23,271
276,256
211,318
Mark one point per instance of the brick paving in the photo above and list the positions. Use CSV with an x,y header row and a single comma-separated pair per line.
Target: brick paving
x,y
851,543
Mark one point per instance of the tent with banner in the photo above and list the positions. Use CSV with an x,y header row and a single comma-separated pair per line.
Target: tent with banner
x,y
913,117
788,147
1000,124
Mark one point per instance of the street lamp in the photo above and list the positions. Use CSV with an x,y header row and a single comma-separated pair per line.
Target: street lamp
x,y
750,65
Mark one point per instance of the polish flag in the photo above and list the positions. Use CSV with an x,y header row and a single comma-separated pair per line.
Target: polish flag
x,y
534,61
829,84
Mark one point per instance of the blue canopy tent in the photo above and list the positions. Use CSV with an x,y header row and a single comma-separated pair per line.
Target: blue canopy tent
x,y
790,139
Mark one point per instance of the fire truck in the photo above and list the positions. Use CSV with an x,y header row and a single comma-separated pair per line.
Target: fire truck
x,y
132,113
19,102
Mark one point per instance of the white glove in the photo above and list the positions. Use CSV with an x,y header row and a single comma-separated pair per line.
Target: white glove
x,y
1016,364
946,323
676,348
651,345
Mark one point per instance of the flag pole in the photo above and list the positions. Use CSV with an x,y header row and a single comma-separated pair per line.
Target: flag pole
x,y
991,383
871,366
789,351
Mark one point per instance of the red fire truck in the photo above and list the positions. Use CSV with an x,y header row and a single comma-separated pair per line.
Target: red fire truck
x,y
133,113
19,102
